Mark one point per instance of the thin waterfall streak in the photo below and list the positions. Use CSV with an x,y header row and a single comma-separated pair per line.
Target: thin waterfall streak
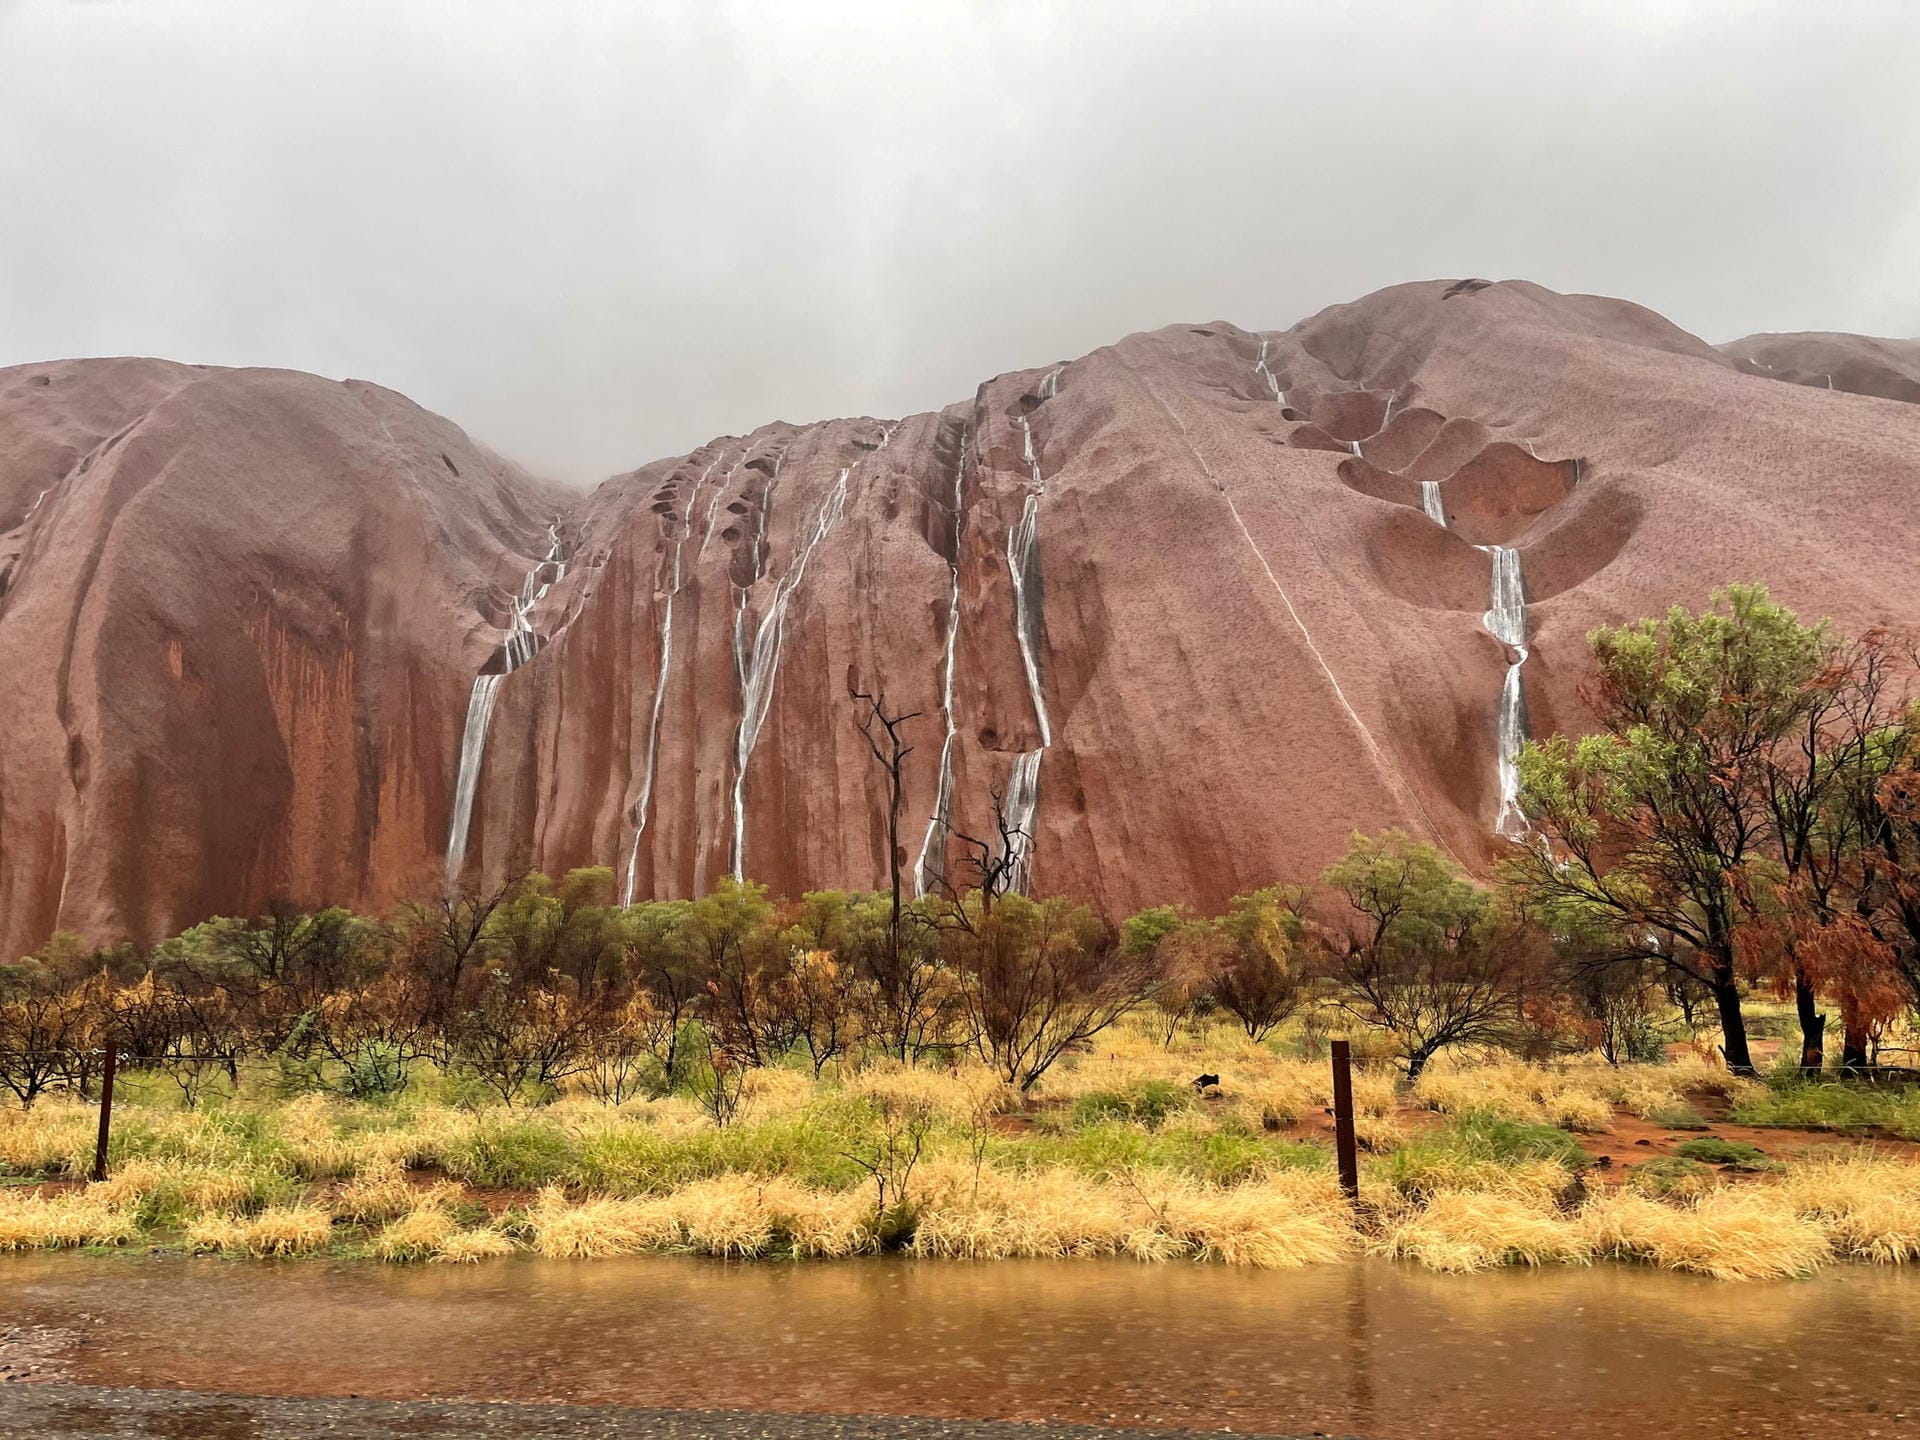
x,y
1431,503
1389,773
1506,621
759,668
519,647
1262,368
924,872
642,807
1023,555
719,494
1366,735
1022,549
1354,446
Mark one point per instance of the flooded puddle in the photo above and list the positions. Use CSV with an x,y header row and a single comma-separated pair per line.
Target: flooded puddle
x,y
1374,1350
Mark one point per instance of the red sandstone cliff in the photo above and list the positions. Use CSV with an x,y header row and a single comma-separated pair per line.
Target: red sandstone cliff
x,y
243,622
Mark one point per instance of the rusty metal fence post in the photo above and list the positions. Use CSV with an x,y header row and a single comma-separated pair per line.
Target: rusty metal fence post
x,y
1343,1140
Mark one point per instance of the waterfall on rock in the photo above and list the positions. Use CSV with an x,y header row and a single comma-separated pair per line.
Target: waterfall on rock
x,y
1273,381
1023,568
931,868
1507,621
521,642
643,805
757,665
1430,502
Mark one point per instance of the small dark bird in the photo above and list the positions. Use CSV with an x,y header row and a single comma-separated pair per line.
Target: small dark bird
x,y
1204,1081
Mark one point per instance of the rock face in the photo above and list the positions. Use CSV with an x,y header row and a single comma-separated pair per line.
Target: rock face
x,y
1198,605
236,606
1858,364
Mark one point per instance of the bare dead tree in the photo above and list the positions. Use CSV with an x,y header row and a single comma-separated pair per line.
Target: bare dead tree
x,y
994,864
882,734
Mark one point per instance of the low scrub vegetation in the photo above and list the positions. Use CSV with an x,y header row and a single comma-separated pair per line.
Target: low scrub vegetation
x,y
979,1073
1483,1163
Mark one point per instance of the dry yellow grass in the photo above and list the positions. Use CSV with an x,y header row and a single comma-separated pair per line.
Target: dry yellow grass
x,y
31,1222
1280,1221
471,1246
262,1179
1751,1234
373,1196
595,1229
1464,1232
277,1230
431,1233
959,1094
1867,1206
54,1136
1050,1213
195,1187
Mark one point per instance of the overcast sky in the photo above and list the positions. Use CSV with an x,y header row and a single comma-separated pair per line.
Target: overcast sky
x,y
596,233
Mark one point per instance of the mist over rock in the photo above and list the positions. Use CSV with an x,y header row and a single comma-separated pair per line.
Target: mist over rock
x,y
1199,604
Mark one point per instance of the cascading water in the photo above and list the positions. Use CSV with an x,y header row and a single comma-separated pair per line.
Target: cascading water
x,y
1354,446
756,666
932,866
1430,502
518,649
473,742
1023,560
1506,620
642,807
1262,368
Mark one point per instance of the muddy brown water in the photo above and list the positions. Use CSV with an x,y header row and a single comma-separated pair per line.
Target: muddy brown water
x,y
1371,1349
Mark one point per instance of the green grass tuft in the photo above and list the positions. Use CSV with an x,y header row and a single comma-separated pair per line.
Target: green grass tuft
x,y
1733,1154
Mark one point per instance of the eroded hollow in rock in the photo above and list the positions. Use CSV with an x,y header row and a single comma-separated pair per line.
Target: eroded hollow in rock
x,y
1416,561
1360,474
1496,496
1589,532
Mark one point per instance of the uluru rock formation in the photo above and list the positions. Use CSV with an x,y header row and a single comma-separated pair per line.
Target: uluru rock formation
x,y
1858,364
1197,604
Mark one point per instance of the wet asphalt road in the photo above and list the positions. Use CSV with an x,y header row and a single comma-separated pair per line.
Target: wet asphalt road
x,y
81,1412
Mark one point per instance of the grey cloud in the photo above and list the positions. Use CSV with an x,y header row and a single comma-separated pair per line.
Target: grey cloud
x,y
597,233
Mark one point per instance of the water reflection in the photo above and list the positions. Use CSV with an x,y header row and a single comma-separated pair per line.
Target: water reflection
x,y
1373,1349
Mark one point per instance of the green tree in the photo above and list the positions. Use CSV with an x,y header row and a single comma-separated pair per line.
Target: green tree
x,y
1424,954
1652,826
1261,974
1042,976
733,927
